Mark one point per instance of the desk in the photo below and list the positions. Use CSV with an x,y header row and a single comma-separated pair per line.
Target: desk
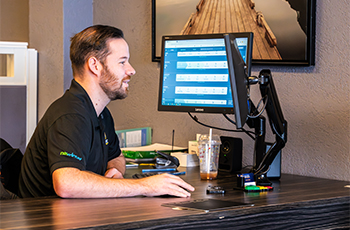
x,y
296,202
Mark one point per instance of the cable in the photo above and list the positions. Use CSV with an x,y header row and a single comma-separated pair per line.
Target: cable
x,y
196,120
279,135
263,109
259,172
229,130
247,132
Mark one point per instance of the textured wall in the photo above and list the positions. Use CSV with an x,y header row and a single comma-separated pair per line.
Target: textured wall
x,y
14,20
52,23
46,36
315,100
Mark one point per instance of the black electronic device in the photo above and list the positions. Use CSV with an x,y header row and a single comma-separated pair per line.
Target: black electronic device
x,y
274,172
206,73
166,161
209,73
230,158
143,175
263,157
215,190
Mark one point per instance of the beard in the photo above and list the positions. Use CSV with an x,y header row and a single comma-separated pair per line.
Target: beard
x,y
109,82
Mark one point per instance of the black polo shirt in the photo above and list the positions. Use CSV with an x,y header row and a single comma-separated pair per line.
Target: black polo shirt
x,y
69,135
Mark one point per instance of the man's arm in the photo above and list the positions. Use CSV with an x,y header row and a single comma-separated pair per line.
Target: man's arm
x,y
116,167
74,183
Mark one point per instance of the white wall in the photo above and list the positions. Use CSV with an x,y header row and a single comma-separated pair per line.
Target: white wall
x,y
315,100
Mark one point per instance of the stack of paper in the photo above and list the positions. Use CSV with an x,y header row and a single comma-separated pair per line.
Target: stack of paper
x,y
149,151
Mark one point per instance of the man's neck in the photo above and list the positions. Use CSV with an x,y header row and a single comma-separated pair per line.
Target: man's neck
x,y
97,96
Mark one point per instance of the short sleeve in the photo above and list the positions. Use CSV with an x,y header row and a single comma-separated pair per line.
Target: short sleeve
x,y
68,143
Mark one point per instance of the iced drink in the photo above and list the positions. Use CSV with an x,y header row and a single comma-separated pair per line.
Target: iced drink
x,y
209,156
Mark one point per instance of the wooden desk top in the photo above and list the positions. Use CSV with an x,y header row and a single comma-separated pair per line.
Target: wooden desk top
x,y
290,193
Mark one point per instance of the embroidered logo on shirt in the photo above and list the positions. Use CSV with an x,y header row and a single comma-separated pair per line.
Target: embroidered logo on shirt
x,y
70,155
106,139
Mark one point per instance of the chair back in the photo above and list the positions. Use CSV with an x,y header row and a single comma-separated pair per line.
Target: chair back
x,y
10,168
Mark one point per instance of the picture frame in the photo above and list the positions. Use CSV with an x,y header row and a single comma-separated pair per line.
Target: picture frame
x,y
278,40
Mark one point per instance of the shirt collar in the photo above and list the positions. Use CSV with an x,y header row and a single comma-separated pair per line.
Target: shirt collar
x,y
77,90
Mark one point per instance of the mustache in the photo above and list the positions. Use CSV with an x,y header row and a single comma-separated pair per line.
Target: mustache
x,y
127,78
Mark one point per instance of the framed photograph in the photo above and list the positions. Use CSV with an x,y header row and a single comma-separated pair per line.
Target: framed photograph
x,y
284,30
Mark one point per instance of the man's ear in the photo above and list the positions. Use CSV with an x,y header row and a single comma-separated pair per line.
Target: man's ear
x,y
94,66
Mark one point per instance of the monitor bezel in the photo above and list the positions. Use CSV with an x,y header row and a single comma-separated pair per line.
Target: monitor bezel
x,y
199,109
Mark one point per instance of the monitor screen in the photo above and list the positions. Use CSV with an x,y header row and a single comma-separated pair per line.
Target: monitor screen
x,y
195,72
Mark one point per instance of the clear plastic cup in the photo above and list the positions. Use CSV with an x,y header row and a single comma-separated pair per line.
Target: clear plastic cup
x,y
209,156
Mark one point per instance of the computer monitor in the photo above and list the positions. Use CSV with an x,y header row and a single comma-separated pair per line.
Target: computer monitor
x,y
206,73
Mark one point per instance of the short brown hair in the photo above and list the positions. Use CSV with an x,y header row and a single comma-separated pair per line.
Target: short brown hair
x,y
92,41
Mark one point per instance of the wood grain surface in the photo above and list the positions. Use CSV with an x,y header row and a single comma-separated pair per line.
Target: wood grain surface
x,y
296,202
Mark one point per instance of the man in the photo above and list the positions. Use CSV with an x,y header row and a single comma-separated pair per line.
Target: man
x,y
74,151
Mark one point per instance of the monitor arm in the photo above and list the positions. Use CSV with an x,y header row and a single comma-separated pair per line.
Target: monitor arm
x,y
278,125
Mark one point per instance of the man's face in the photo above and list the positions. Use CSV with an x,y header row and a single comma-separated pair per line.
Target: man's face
x,y
117,70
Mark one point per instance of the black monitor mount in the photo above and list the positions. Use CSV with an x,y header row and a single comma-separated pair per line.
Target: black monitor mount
x,y
263,159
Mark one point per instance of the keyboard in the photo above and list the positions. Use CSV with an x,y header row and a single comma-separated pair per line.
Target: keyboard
x,y
143,175
147,174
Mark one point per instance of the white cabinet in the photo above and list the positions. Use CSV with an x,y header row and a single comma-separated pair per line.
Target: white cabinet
x,y
18,67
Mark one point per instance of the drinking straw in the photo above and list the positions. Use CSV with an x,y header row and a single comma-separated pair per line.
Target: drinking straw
x,y
209,153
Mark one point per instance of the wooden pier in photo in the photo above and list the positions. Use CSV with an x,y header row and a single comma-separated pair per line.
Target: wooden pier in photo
x,y
225,16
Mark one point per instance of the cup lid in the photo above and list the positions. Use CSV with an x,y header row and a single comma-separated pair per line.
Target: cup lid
x,y
204,139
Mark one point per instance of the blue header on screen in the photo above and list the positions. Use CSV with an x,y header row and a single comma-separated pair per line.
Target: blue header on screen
x,y
195,72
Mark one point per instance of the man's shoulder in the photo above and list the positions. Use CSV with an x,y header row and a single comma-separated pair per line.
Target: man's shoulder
x,y
71,103
68,105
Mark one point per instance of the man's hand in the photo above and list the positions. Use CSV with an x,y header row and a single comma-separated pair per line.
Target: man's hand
x,y
117,163
114,173
166,184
